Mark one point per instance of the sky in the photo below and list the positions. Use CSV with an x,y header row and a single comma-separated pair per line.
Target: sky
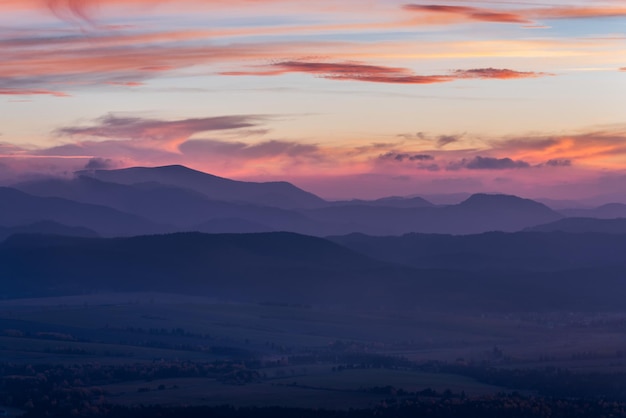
x,y
344,98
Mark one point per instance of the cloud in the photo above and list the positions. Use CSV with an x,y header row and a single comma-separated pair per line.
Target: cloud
x,y
470,13
559,162
428,167
31,92
101,164
250,151
65,9
400,157
623,69
444,140
166,133
526,16
357,71
499,73
346,71
488,163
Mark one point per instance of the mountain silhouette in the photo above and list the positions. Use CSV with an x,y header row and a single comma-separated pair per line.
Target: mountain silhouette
x,y
520,251
47,228
278,194
392,202
607,211
19,208
186,209
175,198
479,213
584,225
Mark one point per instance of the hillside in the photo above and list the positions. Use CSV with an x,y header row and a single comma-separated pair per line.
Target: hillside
x,y
293,269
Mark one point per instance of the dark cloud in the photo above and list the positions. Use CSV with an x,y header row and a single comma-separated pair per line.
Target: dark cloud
x,y
558,162
101,164
428,167
416,136
444,140
400,157
487,163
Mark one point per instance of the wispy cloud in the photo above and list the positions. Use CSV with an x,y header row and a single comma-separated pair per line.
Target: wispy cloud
x,y
358,71
470,13
501,73
521,15
400,157
491,163
32,92
165,133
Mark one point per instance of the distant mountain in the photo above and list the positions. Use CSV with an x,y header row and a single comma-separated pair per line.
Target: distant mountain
x,y
277,194
392,202
291,268
184,208
608,211
231,225
496,212
178,197
583,225
496,251
19,208
559,204
479,213
47,228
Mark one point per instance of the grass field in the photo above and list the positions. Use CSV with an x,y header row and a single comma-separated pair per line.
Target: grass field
x,y
135,328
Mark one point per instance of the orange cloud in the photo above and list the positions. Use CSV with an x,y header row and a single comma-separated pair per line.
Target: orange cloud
x,y
31,92
501,73
357,71
470,13
525,16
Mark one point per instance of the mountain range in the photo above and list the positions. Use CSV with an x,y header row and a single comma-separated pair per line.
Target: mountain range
x,y
156,200
173,229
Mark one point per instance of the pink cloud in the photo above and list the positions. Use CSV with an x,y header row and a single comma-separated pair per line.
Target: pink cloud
x,y
357,71
471,13
499,73
31,92
168,134
525,16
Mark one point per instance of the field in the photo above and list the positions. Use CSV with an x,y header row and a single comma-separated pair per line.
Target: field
x,y
293,356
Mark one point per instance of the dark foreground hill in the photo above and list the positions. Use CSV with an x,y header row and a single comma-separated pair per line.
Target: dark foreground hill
x,y
494,251
289,268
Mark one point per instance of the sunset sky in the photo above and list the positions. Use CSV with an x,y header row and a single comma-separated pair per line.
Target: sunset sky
x,y
345,98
